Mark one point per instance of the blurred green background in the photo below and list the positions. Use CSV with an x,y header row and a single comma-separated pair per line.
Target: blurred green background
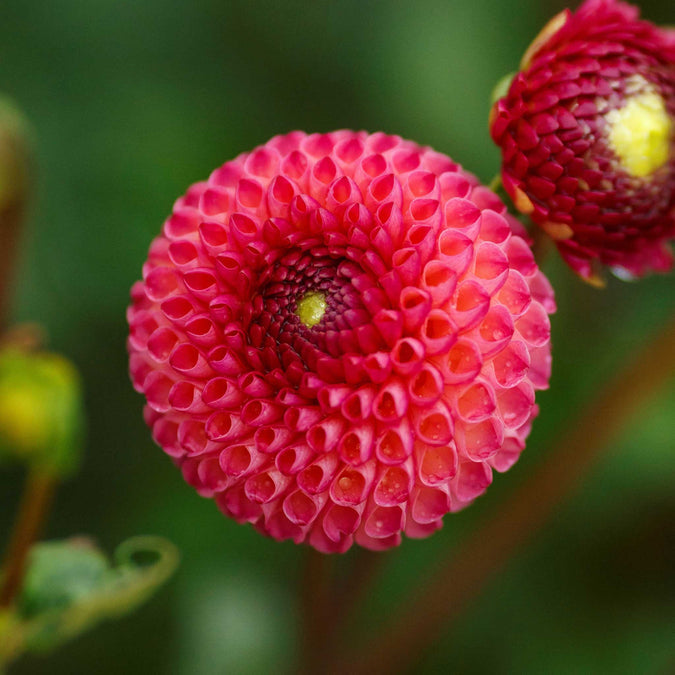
x,y
133,101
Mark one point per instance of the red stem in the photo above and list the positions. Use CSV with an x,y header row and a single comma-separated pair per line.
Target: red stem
x,y
35,503
315,597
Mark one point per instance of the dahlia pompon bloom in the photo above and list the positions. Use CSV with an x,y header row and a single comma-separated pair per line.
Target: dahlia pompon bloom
x,y
587,133
339,338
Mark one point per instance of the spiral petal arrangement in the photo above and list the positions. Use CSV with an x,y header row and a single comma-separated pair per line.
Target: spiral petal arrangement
x,y
339,337
587,134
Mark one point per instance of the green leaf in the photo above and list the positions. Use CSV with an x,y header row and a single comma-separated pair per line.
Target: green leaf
x,y
61,573
70,586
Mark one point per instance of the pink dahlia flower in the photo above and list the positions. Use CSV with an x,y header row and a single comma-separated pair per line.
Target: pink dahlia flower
x,y
339,337
587,133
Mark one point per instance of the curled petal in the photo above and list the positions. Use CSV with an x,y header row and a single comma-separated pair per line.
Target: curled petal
x,y
202,331
434,425
463,362
491,266
429,504
324,436
438,333
161,343
261,413
188,360
440,280
262,488
473,302
479,440
280,527
407,356
302,509
225,426
221,392
157,387
186,397
271,438
456,249
294,459
534,326
407,264
240,460
415,307
436,464
426,387
394,485
234,503
476,402
319,475
391,402
511,365
161,283
395,444
384,522
356,445
352,485
471,480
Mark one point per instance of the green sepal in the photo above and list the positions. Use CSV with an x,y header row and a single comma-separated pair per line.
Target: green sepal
x,y
501,88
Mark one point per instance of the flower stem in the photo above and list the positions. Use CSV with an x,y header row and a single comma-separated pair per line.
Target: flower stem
x,y
329,598
15,179
429,609
315,597
35,503
10,220
365,567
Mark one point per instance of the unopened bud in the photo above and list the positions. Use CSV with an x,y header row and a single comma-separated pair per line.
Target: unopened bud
x,y
41,419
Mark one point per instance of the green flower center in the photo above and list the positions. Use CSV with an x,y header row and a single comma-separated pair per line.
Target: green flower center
x,y
311,308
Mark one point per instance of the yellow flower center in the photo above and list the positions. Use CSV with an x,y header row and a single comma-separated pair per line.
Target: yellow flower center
x,y
640,133
311,309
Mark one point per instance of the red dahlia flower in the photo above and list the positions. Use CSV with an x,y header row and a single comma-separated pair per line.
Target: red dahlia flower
x,y
587,133
339,337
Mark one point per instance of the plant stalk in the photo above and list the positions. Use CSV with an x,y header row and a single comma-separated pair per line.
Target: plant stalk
x,y
315,598
35,502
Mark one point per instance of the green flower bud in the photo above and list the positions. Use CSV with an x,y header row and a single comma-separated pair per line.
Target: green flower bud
x,y
41,416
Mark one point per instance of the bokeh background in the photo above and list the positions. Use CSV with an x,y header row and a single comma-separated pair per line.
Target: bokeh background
x,y
131,102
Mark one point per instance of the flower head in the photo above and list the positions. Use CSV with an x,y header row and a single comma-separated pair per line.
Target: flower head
x,y
587,133
339,337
